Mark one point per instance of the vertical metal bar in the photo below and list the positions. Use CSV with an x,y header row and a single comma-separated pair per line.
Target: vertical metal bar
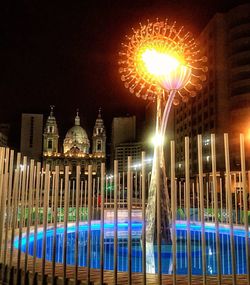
x,y
10,186
78,172
140,190
158,213
248,174
235,198
45,219
30,193
3,196
228,191
52,198
14,206
97,196
216,212
41,188
240,182
26,196
73,198
102,223
115,220
143,193
65,223
198,199
106,192
226,196
89,222
13,221
187,179
212,200
244,186
119,191
123,189
56,191
179,184
207,196
136,190
3,219
203,241
173,208
85,194
61,190
22,193
38,180
184,194
81,205
193,194
110,196
2,153
93,201
129,195
221,200
8,196
70,198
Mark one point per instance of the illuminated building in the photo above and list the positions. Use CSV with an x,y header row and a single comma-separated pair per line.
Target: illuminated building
x,y
123,142
123,150
76,145
4,134
224,103
31,135
3,139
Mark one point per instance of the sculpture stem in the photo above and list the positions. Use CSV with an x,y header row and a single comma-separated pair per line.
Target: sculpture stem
x,y
158,183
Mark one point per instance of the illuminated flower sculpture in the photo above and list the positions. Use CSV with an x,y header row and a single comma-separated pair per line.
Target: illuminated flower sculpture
x,y
161,62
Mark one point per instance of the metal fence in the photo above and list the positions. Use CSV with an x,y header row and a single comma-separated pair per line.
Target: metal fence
x,y
62,230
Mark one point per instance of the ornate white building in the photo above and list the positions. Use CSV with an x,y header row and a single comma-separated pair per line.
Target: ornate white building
x,y
76,145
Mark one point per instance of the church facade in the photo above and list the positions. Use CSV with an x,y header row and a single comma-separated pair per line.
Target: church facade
x,y
76,146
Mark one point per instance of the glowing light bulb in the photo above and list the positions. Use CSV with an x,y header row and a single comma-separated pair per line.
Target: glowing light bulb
x,y
158,63
158,140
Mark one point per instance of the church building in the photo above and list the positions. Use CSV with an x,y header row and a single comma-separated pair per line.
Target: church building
x,y
76,146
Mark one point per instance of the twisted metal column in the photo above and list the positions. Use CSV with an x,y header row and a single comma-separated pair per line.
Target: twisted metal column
x,y
158,183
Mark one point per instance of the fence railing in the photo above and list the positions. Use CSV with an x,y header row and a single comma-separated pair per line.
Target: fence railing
x,y
58,229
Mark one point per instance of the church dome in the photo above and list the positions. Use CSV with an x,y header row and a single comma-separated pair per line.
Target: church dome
x,y
77,133
76,137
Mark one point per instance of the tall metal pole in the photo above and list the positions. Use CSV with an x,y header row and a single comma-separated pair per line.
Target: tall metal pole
x,y
22,194
201,185
89,223
102,223
143,191
216,212
77,222
115,220
65,223
244,186
129,208
56,193
45,220
29,215
187,184
14,211
229,197
173,208
37,218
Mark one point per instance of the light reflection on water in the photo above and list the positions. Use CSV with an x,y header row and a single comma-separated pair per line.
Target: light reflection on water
x,y
122,250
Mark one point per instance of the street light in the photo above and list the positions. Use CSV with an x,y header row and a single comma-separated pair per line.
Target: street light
x,y
161,62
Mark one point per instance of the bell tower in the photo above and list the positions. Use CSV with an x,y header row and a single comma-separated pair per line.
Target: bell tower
x,y
50,135
99,137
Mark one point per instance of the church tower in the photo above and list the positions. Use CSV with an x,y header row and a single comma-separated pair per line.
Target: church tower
x,y
99,137
50,135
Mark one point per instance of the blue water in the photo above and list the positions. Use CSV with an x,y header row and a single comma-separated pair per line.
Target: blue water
x,y
122,250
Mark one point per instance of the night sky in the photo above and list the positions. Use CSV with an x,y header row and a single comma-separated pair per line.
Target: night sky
x,y
65,53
